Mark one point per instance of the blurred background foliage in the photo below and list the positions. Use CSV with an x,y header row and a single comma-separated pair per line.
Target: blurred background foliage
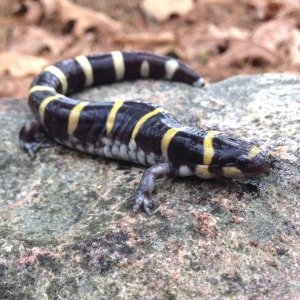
x,y
219,38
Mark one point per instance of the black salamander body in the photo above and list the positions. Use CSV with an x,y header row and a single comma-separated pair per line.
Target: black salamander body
x,y
133,131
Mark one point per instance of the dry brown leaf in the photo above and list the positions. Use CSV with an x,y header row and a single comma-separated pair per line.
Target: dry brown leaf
x,y
147,38
176,52
292,9
265,9
76,19
239,47
294,49
162,10
7,88
34,40
227,33
14,87
20,65
241,52
83,20
223,2
273,34
30,11
290,6
217,39
50,7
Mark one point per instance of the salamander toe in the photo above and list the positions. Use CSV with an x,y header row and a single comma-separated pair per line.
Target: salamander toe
x,y
143,201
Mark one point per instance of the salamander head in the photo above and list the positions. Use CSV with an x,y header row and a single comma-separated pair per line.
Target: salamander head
x,y
253,163
238,158
221,155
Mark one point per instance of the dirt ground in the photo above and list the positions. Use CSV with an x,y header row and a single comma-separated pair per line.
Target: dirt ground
x,y
219,38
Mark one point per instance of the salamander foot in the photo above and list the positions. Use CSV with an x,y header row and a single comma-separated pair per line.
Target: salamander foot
x,y
29,142
146,186
143,201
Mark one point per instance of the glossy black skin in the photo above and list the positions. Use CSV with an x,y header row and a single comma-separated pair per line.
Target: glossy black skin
x,y
185,148
103,64
56,118
233,152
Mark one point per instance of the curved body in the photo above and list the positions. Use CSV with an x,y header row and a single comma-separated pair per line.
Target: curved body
x,y
133,131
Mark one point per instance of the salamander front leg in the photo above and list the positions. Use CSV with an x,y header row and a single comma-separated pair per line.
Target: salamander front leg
x,y
146,187
28,137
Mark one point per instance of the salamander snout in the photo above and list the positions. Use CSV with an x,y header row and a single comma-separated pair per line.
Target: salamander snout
x,y
253,163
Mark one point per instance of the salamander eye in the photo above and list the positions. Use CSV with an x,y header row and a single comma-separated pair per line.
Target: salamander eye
x,y
242,161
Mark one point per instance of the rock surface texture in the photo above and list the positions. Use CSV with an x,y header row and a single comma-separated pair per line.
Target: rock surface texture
x,y
67,230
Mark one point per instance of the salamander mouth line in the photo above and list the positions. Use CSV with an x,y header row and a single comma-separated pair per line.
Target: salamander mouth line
x,y
132,131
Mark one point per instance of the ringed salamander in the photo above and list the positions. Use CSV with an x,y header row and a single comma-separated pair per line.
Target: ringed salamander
x,y
133,131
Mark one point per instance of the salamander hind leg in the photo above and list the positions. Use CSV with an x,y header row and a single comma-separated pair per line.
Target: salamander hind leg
x,y
147,183
29,140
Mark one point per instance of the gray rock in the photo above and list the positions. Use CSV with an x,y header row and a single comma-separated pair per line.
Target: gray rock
x,y
67,230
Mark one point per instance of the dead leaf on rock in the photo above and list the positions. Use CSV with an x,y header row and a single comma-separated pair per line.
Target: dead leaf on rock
x,y
241,52
36,41
20,65
80,20
146,38
274,34
11,88
162,10
7,89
